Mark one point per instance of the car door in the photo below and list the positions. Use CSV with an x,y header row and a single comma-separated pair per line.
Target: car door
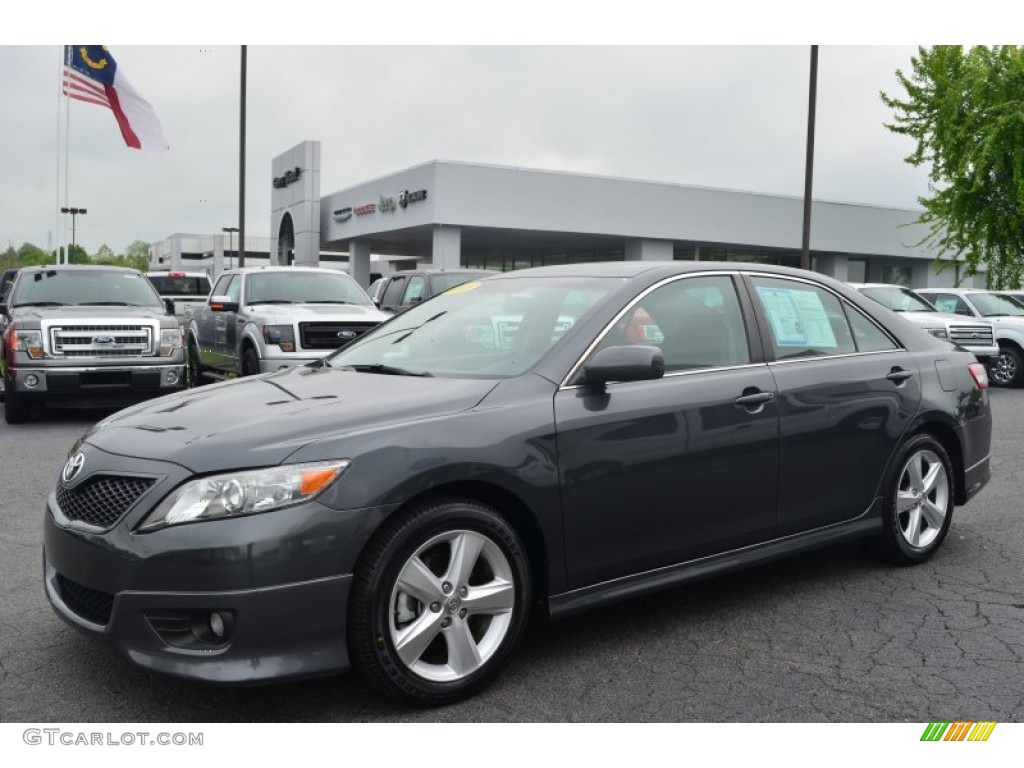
x,y
847,391
206,321
659,472
224,328
391,296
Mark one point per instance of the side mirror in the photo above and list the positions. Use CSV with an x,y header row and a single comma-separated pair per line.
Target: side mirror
x,y
169,306
635,362
223,304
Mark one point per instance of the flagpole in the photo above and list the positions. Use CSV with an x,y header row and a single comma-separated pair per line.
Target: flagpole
x,y
67,156
56,208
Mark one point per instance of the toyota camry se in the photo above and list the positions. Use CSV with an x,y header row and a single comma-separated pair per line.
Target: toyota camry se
x,y
527,445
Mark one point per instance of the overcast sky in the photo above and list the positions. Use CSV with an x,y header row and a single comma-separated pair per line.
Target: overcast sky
x,y
731,116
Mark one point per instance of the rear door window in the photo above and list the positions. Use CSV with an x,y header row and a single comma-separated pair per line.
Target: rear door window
x,y
803,319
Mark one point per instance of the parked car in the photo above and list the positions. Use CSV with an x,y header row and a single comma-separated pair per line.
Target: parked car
x,y
976,335
405,504
86,336
407,288
1007,317
374,290
185,289
260,319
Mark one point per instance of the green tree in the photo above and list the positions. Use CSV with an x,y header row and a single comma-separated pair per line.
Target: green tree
x,y
136,255
105,255
965,110
32,256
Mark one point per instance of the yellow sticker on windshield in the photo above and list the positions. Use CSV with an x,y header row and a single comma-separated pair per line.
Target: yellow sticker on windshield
x,y
462,288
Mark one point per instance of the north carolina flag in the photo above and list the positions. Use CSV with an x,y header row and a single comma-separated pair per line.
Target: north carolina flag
x,y
92,75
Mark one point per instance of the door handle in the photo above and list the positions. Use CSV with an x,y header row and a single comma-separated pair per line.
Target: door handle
x,y
899,375
754,400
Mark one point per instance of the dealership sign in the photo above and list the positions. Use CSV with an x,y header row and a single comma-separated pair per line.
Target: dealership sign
x,y
386,204
290,177
406,197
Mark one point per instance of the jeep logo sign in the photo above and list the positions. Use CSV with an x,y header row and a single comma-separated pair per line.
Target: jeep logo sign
x,y
280,182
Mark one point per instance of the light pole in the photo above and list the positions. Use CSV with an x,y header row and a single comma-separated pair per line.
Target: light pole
x,y
74,212
231,234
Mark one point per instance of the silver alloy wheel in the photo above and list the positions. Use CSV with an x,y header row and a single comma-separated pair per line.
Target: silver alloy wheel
x,y
1004,370
922,498
451,605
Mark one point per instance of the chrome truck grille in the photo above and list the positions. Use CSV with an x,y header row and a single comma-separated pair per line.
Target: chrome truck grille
x,y
74,340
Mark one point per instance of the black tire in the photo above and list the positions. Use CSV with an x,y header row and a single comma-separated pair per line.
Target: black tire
x,y
250,362
463,649
917,515
1007,370
195,367
17,408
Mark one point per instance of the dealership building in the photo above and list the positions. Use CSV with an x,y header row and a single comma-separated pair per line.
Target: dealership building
x,y
447,215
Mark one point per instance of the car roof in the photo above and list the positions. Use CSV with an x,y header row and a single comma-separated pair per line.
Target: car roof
x,y
275,268
178,272
78,268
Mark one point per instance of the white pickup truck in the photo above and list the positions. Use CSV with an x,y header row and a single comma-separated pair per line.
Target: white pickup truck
x,y
261,319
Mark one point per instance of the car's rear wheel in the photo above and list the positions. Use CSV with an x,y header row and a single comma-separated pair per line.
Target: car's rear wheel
x,y
195,366
1007,370
918,503
439,603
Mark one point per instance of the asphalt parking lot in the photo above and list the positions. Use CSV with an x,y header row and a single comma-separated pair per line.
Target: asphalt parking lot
x,y
829,637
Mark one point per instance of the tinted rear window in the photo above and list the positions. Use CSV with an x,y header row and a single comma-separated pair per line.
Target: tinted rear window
x,y
180,286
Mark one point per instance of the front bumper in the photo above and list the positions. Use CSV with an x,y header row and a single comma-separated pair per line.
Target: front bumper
x,y
273,633
278,580
86,384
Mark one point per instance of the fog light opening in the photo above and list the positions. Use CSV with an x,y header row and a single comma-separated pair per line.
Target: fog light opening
x,y
31,380
171,377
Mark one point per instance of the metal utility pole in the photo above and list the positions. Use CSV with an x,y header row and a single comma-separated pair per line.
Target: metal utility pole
x,y
805,253
74,213
241,171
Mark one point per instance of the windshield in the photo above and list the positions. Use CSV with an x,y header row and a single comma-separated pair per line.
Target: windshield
x,y
492,329
441,283
303,288
994,305
180,286
86,286
897,299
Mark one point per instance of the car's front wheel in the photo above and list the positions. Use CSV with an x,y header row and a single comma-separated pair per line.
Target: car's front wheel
x,y
1007,370
439,603
250,362
918,503
17,408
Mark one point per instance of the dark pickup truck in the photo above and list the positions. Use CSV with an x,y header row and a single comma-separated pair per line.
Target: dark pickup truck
x,y
86,336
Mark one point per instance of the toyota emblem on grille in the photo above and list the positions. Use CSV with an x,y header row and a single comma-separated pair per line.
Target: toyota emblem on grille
x,y
346,335
73,467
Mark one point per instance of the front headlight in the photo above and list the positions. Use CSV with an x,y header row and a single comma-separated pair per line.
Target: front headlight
x,y
939,333
245,493
29,342
282,335
170,340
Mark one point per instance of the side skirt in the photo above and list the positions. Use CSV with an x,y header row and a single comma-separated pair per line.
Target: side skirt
x,y
585,598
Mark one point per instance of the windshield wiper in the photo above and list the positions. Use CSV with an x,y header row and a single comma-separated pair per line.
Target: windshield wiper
x,y
386,369
40,304
328,301
111,304
252,303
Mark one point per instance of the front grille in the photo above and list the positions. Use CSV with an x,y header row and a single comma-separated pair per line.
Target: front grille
x,y
91,604
101,500
972,335
101,340
325,335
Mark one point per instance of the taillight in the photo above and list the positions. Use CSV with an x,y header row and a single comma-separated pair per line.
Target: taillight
x,y
979,374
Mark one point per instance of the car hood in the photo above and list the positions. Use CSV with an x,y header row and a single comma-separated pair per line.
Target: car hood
x,y
87,313
261,420
304,313
929,318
